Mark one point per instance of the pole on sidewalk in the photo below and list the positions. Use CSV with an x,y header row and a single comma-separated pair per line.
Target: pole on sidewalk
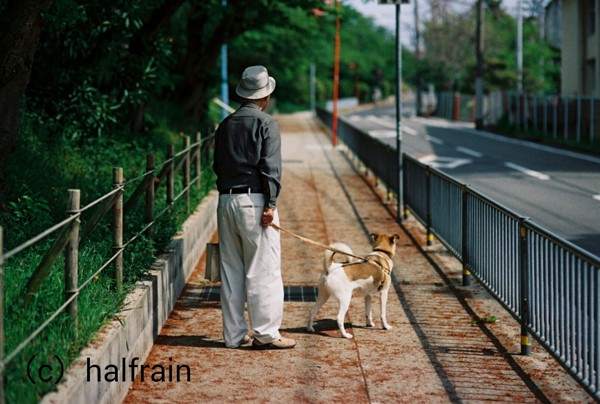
x,y
224,86
479,78
399,111
336,76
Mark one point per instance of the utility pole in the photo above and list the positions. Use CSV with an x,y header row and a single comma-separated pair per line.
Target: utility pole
x,y
520,47
224,85
418,58
479,78
312,87
336,76
400,197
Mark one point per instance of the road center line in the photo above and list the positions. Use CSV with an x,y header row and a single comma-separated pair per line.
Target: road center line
x,y
469,152
381,122
409,131
527,171
434,140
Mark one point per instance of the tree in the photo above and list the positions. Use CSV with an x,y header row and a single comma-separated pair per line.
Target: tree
x,y
23,23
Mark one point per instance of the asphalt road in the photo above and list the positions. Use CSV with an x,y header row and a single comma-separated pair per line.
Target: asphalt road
x,y
555,188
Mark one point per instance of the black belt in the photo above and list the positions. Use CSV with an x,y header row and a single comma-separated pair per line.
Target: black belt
x,y
241,190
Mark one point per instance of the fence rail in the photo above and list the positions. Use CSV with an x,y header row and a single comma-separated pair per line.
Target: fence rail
x,y
71,234
550,286
569,118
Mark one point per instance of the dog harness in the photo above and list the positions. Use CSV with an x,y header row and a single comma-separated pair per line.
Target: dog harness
x,y
381,259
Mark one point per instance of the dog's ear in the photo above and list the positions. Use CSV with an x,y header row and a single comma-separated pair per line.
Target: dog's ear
x,y
394,237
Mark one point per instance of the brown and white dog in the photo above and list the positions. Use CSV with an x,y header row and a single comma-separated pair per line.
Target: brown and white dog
x,y
371,275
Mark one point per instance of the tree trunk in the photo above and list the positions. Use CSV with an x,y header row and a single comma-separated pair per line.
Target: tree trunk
x,y
22,25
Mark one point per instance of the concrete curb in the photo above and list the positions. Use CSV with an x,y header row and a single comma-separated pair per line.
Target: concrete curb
x,y
127,340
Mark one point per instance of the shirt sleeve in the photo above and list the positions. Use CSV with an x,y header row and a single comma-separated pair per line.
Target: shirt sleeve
x,y
270,163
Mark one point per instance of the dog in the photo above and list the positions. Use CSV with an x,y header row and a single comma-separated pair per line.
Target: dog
x,y
370,275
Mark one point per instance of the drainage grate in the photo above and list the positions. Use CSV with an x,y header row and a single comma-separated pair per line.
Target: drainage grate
x,y
300,294
291,294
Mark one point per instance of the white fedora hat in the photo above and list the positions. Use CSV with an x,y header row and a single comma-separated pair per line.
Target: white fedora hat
x,y
255,83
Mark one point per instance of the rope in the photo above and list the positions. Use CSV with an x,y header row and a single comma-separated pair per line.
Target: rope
x,y
327,247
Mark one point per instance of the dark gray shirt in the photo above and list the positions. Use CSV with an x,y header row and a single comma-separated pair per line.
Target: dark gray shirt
x,y
248,152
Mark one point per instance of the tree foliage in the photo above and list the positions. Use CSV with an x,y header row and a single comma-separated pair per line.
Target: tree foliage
x,y
119,68
449,57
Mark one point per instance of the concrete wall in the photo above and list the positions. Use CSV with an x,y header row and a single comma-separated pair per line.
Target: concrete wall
x,y
146,311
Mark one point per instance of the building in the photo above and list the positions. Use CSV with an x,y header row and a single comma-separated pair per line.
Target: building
x,y
577,24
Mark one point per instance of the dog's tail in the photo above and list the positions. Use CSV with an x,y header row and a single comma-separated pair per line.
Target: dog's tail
x,y
332,256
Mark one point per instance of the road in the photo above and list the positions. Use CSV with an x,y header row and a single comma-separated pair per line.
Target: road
x,y
555,188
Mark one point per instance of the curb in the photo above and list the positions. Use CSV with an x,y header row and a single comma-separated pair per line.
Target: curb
x,y
102,373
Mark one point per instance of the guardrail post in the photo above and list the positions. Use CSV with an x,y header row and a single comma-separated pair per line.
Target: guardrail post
x,y
150,166
428,204
524,278
566,118
170,174
118,228
555,117
187,170
72,259
197,159
466,272
592,118
404,185
1,316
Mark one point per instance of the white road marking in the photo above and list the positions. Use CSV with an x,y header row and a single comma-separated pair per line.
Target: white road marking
x,y
382,133
391,125
434,140
409,131
469,151
535,174
381,122
443,162
469,128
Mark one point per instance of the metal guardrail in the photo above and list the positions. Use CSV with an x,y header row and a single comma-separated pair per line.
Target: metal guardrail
x,y
549,285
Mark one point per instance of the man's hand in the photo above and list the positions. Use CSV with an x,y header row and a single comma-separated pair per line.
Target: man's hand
x,y
267,217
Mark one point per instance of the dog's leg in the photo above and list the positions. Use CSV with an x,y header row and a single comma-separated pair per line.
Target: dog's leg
x,y
384,298
344,301
323,296
368,311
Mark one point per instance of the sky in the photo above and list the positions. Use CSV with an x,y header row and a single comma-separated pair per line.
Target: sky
x,y
385,15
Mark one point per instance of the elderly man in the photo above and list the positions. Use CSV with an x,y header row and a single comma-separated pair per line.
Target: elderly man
x,y
248,167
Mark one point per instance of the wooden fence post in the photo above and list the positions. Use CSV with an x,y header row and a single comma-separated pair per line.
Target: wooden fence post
x,y
1,316
197,159
118,228
187,171
170,174
72,259
150,193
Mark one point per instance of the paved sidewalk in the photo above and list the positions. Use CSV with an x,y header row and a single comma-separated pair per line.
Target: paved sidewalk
x,y
436,352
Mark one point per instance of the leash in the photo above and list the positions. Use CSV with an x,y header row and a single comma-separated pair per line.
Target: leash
x,y
307,240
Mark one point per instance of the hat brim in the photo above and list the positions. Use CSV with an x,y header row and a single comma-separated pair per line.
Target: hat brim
x,y
256,94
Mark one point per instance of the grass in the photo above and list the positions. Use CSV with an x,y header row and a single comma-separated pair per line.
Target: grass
x,y
41,172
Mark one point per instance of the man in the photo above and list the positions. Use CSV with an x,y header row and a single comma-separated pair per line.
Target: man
x,y
248,167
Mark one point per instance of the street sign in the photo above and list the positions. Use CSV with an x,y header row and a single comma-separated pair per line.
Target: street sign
x,y
393,1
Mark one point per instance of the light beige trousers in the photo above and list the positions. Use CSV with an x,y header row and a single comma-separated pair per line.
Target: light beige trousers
x,y
250,269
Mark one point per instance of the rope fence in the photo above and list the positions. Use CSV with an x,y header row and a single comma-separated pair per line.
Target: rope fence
x,y
69,239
